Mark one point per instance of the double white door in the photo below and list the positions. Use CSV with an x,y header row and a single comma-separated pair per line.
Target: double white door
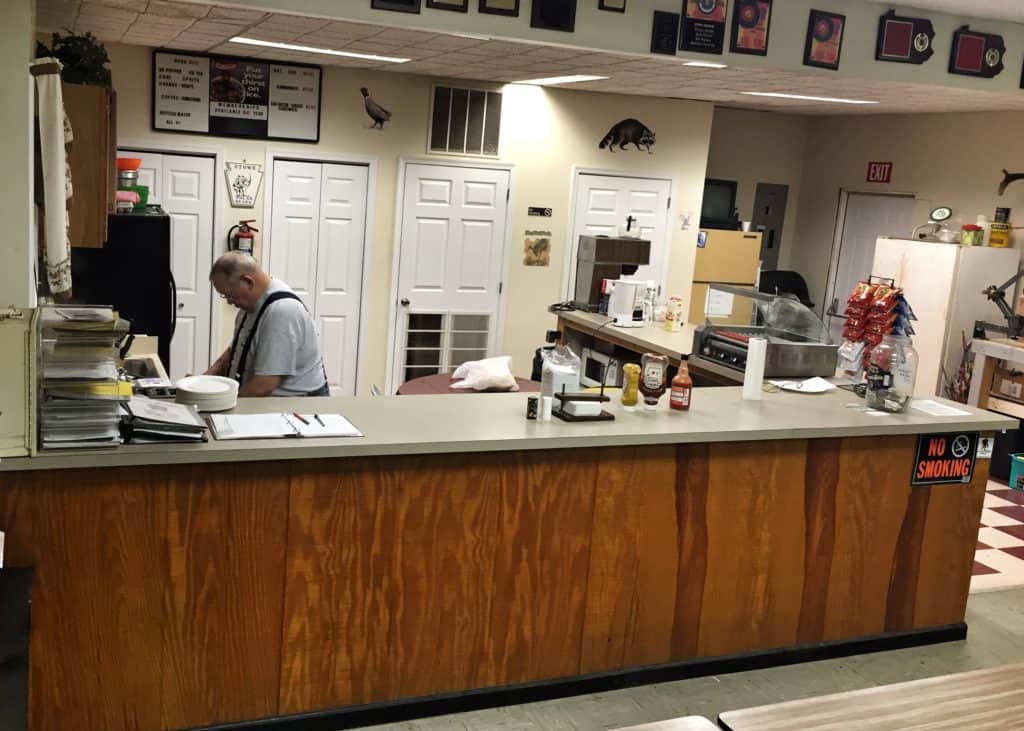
x,y
316,246
183,186
449,268
606,205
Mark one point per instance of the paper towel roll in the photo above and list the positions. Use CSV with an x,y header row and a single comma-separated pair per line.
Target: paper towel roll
x,y
753,376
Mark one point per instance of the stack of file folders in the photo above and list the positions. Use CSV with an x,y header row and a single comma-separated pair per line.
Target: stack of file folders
x,y
81,393
149,421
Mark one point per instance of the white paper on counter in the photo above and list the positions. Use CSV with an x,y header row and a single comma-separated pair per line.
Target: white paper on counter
x,y
934,408
718,304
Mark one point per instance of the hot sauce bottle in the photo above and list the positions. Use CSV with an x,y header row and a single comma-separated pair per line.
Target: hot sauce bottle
x,y
652,378
682,389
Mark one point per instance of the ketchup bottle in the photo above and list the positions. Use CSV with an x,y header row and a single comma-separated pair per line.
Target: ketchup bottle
x,y
652,378
682,389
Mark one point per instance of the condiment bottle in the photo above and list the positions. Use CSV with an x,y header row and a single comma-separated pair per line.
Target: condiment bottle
x,y
682,389
653,368
630,385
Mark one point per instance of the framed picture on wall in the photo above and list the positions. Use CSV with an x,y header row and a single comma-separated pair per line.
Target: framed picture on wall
x,y
751,20
500,7
402,6
459,6
616,6
554,15
824,39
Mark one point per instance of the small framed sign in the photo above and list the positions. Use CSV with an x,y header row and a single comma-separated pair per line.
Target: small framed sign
x,y
616,6
665,33
976,54
945,459
703,27
459,6
402,6
751,21
824,42
499,7
554,15
904,40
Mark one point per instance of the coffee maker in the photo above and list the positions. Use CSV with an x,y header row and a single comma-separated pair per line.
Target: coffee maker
x,y
605,257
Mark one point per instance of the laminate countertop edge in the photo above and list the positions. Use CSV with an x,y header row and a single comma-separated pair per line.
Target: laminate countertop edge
x,y
409,425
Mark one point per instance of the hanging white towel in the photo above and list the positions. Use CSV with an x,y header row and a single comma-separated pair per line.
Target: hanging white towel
x,y
54,134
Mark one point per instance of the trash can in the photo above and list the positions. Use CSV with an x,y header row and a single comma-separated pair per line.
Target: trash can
x,y
1006,443
1016,480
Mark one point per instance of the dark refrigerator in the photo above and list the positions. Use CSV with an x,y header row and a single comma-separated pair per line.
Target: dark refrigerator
x,y
132,273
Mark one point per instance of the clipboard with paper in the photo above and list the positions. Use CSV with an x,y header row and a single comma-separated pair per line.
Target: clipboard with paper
x,y
280,426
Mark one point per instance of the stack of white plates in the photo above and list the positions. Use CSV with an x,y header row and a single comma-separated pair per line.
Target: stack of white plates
x,y
208,393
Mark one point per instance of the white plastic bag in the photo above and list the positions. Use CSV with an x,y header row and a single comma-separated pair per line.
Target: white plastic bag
x,y
489,374
560,372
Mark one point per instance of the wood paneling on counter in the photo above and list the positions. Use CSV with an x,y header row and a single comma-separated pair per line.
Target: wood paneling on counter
x,y
224,534
189,595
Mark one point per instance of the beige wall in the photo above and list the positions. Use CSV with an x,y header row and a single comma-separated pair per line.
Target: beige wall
x,y
945,159
544,134
760,147
17,285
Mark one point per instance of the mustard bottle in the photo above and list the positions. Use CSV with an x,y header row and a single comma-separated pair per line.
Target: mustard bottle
x,y
630,385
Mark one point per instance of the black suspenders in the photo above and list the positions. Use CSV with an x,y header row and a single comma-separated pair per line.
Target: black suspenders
x,y
240,371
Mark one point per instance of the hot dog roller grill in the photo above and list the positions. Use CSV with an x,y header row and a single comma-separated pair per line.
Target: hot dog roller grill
x,y
799,345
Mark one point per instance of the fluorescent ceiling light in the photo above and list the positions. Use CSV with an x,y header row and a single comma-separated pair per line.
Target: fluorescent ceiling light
x,y
706,64
801,97
324,51
561,80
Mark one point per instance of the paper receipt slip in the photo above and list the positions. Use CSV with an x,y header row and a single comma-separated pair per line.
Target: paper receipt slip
x,y
280,425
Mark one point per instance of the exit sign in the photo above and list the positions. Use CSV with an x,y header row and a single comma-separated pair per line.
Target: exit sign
x,y
879,172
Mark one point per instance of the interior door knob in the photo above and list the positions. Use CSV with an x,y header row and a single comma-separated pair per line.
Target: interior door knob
x,y
404,302
181,305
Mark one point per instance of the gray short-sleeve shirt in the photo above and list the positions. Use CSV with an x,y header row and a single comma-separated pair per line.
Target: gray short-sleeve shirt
x,y
286,345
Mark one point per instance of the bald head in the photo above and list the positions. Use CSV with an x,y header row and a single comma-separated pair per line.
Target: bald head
x,y
239,279
234,264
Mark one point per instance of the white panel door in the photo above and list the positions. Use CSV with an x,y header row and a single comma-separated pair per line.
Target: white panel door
x,y
318,225
150,174
449,277
184,186
339,271
295,225
867,217
605,204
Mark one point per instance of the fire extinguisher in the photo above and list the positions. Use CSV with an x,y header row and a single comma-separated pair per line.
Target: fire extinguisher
x,y
244,239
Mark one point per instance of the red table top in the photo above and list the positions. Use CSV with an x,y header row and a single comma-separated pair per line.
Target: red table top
x,y
441,383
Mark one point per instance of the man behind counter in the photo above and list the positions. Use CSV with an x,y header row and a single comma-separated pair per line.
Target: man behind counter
x,y
275,350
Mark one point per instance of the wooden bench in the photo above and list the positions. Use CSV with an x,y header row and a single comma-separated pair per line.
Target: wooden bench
x,y
980,701
686,723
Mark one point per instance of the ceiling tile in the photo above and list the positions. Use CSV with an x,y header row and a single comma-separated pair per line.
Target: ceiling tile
x,y
296,22
103,13
236,15
176,9
133,5
217,27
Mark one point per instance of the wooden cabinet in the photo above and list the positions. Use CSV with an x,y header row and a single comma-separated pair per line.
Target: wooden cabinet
x,y
92,157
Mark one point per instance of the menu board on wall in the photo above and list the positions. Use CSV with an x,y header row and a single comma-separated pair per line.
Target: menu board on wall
x,y
235,97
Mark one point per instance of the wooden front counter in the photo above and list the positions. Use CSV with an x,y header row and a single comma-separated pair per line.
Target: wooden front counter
x,y
177,596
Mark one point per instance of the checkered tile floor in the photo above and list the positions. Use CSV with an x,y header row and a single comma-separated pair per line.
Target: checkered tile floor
x,y
999,559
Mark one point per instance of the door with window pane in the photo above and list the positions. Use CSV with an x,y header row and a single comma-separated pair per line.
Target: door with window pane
x,y
449,278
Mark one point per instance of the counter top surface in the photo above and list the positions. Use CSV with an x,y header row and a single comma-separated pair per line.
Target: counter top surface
x,y
651,337
496,422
